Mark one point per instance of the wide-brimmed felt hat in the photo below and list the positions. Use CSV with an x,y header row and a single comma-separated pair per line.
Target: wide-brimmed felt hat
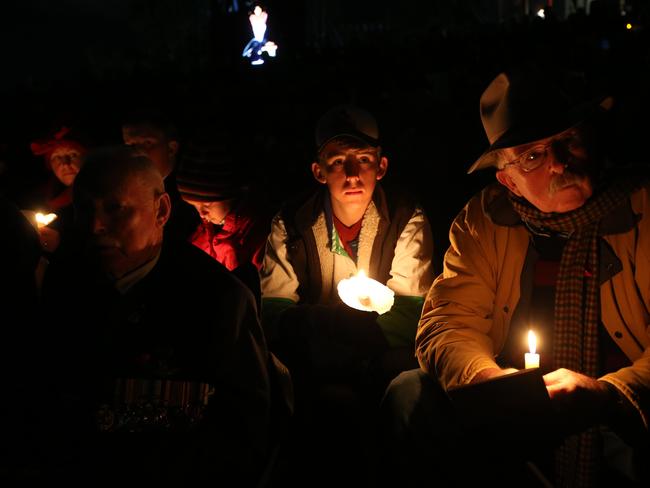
x,y
524,106
347,120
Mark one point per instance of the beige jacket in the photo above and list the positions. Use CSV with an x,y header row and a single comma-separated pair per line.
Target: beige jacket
x,y
466,315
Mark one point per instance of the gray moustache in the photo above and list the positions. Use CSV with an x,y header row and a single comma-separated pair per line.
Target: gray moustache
x,y
564,180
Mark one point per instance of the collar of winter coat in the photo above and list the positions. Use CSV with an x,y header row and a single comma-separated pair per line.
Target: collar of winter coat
x,y
496,205
310,211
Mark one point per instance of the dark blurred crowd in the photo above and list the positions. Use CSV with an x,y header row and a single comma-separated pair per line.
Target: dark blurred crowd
x,y
222,144
421,89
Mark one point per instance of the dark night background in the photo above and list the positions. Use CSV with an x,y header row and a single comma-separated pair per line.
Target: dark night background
x,y
419,66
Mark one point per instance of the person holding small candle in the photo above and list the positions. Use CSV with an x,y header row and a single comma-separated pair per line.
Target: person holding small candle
x,y
559,245
341,359
63,153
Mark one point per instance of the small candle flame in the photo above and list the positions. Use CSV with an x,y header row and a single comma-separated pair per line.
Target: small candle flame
x,y
362,280
532,341
42,219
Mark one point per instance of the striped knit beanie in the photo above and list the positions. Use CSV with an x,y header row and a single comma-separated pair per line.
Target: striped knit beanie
x,y
211,170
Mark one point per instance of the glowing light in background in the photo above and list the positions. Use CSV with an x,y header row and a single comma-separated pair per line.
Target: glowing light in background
x,y
258,22
541,14
259,44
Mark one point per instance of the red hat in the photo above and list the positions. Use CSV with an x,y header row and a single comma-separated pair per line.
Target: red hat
x,y
45,147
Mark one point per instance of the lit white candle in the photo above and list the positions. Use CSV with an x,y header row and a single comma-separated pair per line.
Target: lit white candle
x,y
531,359
366,294
44,219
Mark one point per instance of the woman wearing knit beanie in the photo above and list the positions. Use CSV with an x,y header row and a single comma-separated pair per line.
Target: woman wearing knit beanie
x,y
213,178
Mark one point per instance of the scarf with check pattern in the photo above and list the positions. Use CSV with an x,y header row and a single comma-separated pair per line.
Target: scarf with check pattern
x,y
577,312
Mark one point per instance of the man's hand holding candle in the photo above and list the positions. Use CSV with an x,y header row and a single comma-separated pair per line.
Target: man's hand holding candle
x,y
50,238
366,294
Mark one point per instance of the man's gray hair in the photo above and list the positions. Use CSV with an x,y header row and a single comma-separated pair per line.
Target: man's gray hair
x,y
109,167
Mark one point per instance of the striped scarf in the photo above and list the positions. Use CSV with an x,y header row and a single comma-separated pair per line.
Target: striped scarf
x,y
577,313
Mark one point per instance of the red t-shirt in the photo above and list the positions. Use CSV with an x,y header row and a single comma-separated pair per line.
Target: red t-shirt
x,y
348,236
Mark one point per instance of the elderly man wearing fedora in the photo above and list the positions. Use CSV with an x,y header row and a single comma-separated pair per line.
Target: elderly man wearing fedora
x,y
557,245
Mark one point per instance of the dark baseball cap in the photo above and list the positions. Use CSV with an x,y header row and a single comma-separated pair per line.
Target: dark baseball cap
x,y
347,120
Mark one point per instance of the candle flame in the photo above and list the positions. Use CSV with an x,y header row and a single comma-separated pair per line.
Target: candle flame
x,y
363,293
532,341
362,282
42,219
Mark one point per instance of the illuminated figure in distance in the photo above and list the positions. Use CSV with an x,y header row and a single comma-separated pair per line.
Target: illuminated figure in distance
x,y
258,44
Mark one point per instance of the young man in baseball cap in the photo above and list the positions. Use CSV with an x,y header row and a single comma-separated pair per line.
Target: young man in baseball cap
x,y
350,224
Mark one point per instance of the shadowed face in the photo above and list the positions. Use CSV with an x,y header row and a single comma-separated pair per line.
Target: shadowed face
x,y
213,212
65,163
350,171
124,224
553,174
151,142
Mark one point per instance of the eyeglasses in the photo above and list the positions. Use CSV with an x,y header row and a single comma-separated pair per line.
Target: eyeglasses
x,y
540,154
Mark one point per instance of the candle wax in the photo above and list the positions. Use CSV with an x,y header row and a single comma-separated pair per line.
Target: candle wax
x,y
531,360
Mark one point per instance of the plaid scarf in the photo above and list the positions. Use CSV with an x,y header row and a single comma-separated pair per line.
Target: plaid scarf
x,y
577,312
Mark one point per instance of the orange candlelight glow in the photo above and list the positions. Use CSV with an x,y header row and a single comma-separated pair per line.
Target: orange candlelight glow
x,y
44,219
